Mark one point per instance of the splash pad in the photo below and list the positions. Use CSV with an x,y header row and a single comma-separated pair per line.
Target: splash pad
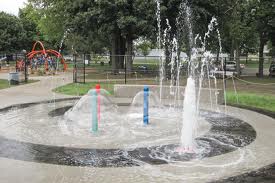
x,y
59,133
102,140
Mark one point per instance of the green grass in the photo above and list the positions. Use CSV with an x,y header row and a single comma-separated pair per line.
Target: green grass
x,y
256,65
81,89
78,89
5,83
151,64
262,80
97,71
265,102
256,96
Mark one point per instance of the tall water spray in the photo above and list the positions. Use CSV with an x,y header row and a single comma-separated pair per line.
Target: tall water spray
x,y
189,124
199,60
61,44
206,61
199,67
161,61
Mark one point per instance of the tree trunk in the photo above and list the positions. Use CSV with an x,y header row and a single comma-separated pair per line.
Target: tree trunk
x,y
88,57
273,46
167,52
129,53
218,56
246,59
114,58
110,57
121,52
261,57
232,50
238,68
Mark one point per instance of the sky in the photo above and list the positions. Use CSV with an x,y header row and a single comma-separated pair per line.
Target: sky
x,y
11,6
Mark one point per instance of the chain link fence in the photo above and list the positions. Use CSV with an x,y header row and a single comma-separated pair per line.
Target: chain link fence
x,y
94,67
17,66
99,67
89,67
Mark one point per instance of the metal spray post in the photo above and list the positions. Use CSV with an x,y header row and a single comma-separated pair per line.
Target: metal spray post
x,y
95,108
146,106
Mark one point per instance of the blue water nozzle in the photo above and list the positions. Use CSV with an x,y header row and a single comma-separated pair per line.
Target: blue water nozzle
x,y
146,106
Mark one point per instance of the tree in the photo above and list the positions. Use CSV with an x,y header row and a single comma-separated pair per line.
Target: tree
x,y
144,46
30,27
11,33
118,23
237,27
264,15
50,17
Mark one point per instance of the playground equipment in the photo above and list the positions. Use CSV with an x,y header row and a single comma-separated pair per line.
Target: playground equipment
x,y
43,58
20,65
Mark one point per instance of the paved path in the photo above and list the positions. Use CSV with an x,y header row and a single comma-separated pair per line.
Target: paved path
x,y
37,91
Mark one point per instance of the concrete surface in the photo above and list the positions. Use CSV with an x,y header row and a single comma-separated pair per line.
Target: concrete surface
x,y
258,154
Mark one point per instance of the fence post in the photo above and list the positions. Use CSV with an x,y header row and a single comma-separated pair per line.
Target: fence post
x,y
84,69
75,69
26,66
125,69
225,76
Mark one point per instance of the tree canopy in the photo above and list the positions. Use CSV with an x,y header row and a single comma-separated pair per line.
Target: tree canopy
x,y
93,26
12,35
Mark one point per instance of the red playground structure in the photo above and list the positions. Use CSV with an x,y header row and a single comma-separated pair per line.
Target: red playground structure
x,y
47,59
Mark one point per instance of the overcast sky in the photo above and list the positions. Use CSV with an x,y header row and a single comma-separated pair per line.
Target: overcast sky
x,y
11,6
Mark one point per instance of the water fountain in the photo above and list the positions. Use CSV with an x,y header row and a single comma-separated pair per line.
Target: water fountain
x,y
154,136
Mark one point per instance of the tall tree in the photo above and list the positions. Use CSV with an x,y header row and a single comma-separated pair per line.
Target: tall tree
x,y
50,15
11,33
264,15
117,22
30,26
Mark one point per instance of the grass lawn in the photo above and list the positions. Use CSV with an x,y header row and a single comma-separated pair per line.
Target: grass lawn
x,y
252,85
5,83
81,89
256,65
265,102
78,89
258,96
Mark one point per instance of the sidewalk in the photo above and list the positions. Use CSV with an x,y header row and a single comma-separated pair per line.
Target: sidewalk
x,y
34,92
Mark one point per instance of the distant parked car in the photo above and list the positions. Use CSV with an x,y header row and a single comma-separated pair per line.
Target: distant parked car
x,y
68,58
232,66
3,59
142,69
272,69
